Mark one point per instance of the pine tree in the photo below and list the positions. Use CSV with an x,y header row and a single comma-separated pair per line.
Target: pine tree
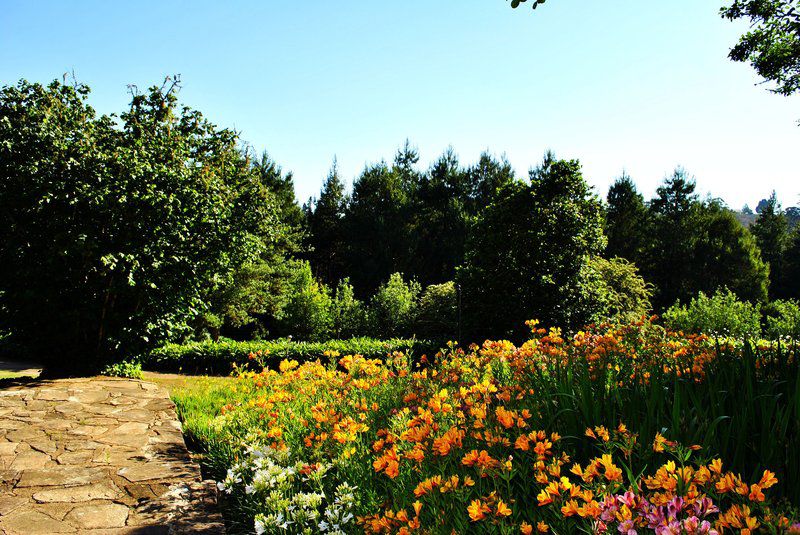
x,y
771,230
626,220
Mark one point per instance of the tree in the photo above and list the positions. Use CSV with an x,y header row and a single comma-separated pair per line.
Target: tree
x,y
486,178
673,213
726,256
772,45
526,254
626,220
307,313
438,225
771,231
792,216
326,234
791,276
376,222
348,313
113,228
719,314
534,3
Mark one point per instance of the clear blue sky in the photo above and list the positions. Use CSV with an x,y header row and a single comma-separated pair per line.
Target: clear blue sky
x,y
639,85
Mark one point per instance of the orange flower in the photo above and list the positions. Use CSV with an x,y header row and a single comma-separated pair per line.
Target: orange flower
x,y
477,510
526,529
716,466
767,480
470,458
522,443
541,527
502,509
755,494
505,417
570,508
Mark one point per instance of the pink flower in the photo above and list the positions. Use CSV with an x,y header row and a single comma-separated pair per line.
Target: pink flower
x,y
628,499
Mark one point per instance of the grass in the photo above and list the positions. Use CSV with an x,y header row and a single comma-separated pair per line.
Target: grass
x,y
198,401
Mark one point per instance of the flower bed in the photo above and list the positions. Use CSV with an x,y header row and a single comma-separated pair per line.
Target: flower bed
x,y
507,439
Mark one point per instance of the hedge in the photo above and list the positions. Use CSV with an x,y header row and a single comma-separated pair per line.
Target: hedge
x,y
219,357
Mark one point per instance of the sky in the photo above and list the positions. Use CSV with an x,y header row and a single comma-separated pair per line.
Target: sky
x,y
639,86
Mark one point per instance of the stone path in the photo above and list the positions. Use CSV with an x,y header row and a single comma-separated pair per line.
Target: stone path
x,y
98,455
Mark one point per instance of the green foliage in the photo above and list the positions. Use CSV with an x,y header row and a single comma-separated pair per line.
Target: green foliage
x,y
220,357
348,313
668,263
695,246
772,44
721,315
375,225
783,319
726,255
437,313
622,293
326,232
526,254
126,368
400,218
791,266
771,231
307,313
626,220
394,306
112,228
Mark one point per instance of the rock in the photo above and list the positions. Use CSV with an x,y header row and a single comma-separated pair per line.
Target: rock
x,y
98,491
52,395
150,471
31,522
61,476
112,515
8,448
75,457
123,467
9,503
30,460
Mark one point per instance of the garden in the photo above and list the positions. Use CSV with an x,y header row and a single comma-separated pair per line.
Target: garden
x,y
619,427
438,349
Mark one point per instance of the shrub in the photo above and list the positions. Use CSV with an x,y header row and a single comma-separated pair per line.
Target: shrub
x,y
393,306
220,357
127,368
307,313
348,313
437,312
621,293
783,319
720,315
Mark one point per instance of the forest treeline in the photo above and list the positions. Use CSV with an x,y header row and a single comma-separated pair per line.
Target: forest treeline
x,y
118,233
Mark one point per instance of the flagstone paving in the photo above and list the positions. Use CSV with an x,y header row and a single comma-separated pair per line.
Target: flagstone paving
x,y
98,455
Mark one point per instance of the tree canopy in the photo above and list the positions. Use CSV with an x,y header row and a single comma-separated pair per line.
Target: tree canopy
x,y
114,227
